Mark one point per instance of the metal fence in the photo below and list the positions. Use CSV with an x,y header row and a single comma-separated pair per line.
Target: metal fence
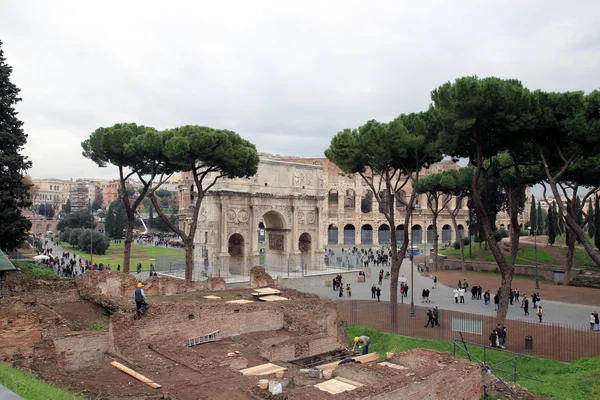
x,y
239,271
561,342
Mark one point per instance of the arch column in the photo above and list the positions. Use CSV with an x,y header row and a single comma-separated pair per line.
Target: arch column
x,y
357,235
223,256
254,256
319,252
375,234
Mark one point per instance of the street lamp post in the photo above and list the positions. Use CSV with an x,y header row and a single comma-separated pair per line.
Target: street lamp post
x,y
425,241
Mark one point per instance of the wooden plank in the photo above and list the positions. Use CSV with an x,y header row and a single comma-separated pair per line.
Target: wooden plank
x,y
272,298
263,369
137,376
349,382
392,365
265,292
363,359
212,297
241,301
336,385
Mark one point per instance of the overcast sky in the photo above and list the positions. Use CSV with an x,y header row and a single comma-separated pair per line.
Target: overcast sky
x,y
285,75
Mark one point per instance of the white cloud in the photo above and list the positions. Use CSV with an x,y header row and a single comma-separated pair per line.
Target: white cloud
x,y
297,72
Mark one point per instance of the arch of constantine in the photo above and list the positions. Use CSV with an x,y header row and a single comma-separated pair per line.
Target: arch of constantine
x,y
293,209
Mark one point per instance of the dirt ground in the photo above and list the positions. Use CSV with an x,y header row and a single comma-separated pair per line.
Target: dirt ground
x,y
547,290
59,330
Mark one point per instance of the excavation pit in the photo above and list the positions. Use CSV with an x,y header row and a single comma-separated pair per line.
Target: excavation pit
x,y
323,358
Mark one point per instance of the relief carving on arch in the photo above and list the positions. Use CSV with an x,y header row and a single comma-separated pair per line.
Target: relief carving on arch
x,y
276,242
231,217
311,217
301,218
243,215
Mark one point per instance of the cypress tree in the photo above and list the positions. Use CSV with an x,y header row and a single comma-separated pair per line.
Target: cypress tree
x,y
540,219
560,223
551,226
14,190
532,216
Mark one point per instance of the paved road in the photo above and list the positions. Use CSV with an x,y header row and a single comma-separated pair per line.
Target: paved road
x,y
443,297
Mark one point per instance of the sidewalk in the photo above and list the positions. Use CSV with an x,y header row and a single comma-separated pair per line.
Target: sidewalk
x,y
443,297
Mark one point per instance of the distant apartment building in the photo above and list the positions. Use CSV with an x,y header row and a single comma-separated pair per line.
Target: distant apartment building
x,y
110,192
50,191
78,195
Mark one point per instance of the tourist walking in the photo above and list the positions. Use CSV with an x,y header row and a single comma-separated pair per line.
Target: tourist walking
x,y
517,295
461,294
592,322
373,289
436,314
486,298
496,301
525,305
429,318
140,300
348,290
378,293
540,313
596,322
435,282
456,296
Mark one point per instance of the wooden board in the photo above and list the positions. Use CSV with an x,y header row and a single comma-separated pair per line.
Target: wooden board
x,y
265,292
263,369
241,301
136,375
363,359
211,297
392,365
338,385
272,298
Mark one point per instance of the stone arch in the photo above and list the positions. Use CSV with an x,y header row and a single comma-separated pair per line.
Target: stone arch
x,y
333,200
400,199
350,200
332,234
366,202
305,243
236,250
276,238
349,234
383,234
39,229
261,232
446,234
366,234
461,231
417,234
48,228
400,233
430,234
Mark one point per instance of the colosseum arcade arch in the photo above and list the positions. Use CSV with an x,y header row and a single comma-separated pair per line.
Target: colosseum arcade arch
x,y
332,234
237,251
416,235
366,234
446,234
349,235
383,234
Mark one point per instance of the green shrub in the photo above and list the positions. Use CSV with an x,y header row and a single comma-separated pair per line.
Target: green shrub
x,y
456,245
498,236
503,232
466,240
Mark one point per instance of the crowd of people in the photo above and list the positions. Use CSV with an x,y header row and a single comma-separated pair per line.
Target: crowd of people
x,y
160,239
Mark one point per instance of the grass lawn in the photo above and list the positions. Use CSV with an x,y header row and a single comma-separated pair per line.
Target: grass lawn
x,y
576,380
35,271
139,254
28,386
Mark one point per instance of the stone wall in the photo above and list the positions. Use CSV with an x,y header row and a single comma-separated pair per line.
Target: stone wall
x,y
520,269
81,349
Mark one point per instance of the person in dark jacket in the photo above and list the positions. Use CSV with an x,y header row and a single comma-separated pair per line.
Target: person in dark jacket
x,y
429,318
436,316
496,301
140,300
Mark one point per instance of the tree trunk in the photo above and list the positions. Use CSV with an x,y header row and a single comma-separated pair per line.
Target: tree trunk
x,y
459,239
435,242
575,228
570,253
507,270
515,230
189,258
127,247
